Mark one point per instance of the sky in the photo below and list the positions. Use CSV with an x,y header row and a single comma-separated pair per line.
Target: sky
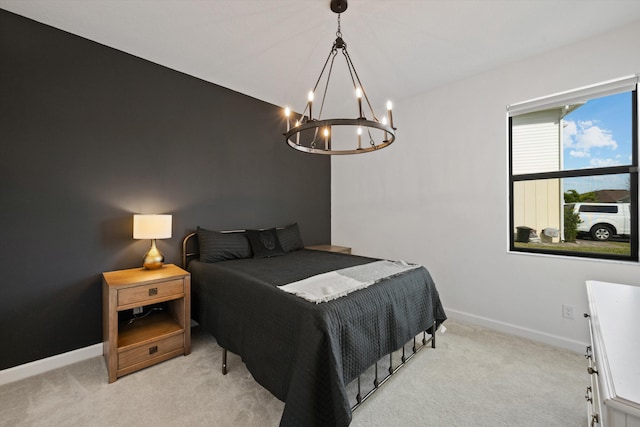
x,y
599,134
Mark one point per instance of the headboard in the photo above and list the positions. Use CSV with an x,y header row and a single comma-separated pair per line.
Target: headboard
x,y
190,249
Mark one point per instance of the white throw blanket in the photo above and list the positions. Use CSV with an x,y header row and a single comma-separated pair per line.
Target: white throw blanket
x,y
334,284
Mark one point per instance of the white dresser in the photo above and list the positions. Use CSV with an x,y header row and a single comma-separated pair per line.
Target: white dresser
x,y
613,397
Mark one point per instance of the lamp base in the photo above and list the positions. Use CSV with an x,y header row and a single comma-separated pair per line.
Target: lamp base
x,y
153,259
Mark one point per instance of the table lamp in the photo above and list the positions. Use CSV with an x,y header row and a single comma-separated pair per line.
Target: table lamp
x,y
152,227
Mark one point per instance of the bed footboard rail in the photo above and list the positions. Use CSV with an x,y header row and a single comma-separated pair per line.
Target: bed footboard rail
x,y
224,361
377,382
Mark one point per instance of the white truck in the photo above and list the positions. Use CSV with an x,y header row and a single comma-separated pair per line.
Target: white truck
x,y
604,220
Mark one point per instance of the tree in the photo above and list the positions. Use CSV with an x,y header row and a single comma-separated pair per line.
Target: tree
x,y
572,196
571,222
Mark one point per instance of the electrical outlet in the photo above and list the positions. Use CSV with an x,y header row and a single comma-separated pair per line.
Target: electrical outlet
x,y
568,311
137,310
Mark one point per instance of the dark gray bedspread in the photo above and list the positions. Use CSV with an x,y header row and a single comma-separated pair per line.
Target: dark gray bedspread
x,y
306,353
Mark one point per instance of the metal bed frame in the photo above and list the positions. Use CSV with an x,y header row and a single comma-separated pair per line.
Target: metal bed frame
x,y
377,383
190,251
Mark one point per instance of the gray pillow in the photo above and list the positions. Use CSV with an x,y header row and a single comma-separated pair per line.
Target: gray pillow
x,y
216,246
289,237
264,243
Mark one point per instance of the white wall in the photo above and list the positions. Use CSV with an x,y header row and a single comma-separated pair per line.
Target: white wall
x,y
438,195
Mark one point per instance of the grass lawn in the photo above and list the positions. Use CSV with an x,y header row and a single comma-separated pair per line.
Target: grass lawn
x,y
590,246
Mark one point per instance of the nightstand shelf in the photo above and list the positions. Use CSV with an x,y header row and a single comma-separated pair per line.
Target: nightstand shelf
x,y
147,339
141,331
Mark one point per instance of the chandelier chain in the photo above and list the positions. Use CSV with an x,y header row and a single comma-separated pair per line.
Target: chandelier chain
x,y
351,66
333,53
333,49
339,33
313,141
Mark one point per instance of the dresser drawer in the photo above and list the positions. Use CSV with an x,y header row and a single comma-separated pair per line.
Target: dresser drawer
x,y
613,357
150,351
152,291
592,396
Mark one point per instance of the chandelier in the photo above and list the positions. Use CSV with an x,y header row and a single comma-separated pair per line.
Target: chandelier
x,y
362,133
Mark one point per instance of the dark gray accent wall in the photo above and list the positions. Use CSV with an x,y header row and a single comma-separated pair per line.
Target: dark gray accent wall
x,y
89,136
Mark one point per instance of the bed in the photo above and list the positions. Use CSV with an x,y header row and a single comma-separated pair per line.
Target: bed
x,y
306,354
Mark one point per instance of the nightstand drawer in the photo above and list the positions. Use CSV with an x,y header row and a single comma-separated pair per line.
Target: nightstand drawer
x,y
152,291
150,351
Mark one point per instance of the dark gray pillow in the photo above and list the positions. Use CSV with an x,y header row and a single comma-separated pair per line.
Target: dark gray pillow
x,y
216,246
264,243
289,237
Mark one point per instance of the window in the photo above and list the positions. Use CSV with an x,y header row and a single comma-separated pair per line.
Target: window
x,y
573,172
599,208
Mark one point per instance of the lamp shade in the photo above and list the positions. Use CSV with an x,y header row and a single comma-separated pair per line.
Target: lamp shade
x,y
151,226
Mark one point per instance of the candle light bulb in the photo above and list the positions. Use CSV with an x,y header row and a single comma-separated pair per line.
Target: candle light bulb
x,y
384,122
389,105
359,96
287,113
310,97
327,143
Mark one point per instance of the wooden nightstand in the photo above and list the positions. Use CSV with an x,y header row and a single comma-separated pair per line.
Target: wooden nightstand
x,y
148,340
330,248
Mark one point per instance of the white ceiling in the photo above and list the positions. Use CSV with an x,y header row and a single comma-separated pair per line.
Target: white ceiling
x,y
274,49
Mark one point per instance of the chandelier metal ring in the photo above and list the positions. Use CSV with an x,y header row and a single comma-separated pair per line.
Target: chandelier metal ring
x,y
318,125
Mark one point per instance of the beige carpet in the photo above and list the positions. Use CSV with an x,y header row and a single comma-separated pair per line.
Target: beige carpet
x,y
475,377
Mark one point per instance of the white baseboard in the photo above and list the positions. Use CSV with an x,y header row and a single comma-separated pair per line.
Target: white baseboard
x,y
58,361
30,369
41,366
554,340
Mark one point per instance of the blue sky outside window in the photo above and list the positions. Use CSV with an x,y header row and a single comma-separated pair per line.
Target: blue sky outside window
x,y
599,134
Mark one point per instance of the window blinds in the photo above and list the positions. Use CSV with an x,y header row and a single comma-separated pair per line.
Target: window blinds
x,y
575,96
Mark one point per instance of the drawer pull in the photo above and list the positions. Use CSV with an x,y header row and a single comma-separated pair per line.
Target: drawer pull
x,y
592,371
594,419
586,315
153,349
153,291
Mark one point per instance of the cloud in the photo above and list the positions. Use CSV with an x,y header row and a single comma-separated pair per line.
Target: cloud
x,y
570,130
580,137
574,153
598,163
